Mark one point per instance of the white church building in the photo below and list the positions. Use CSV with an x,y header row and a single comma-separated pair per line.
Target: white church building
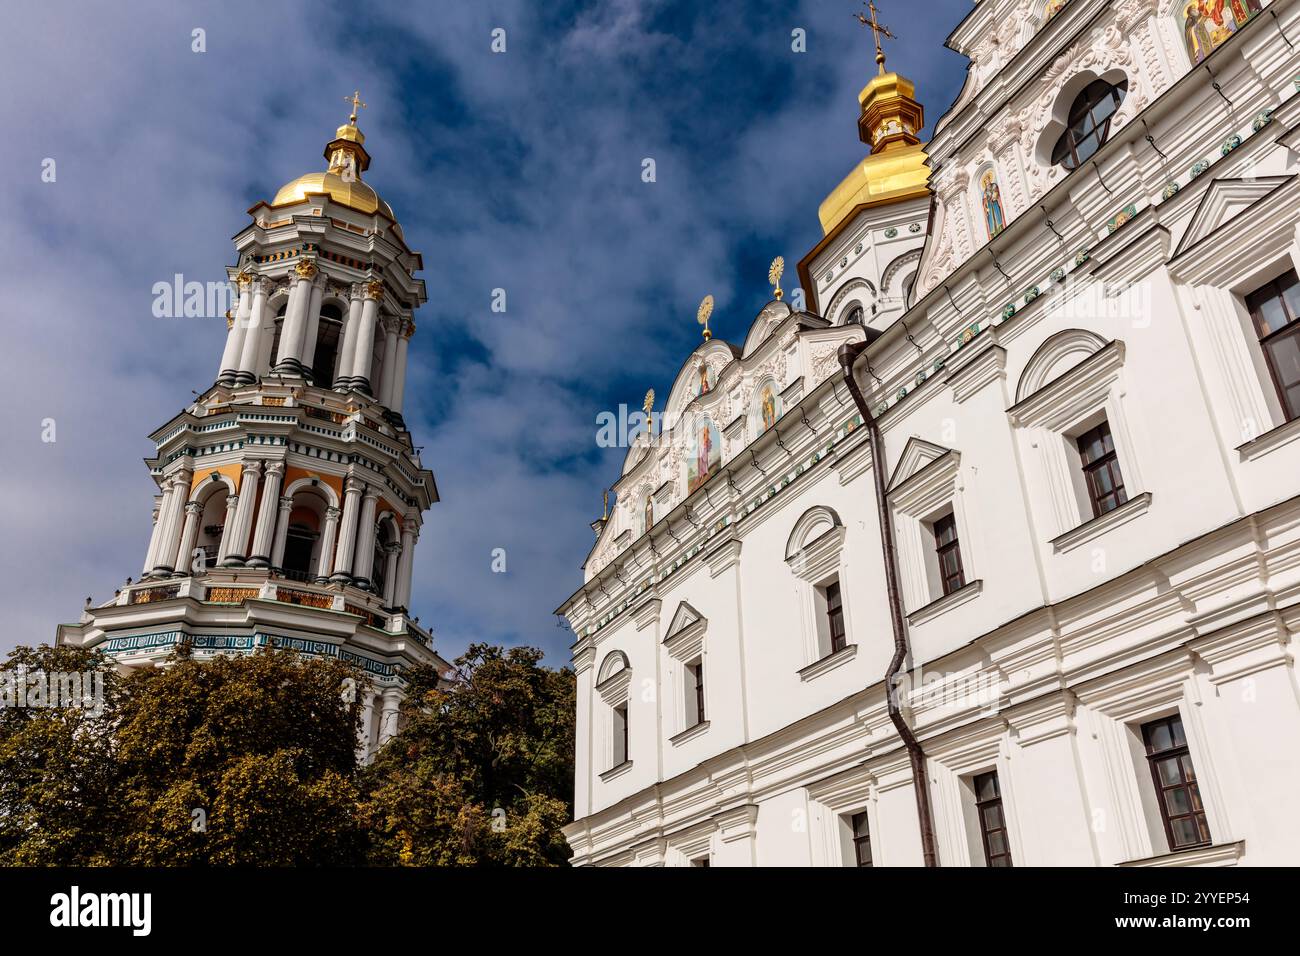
x,y
991,555
290,494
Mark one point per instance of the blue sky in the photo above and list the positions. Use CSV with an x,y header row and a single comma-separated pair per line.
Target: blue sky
x,y
519,170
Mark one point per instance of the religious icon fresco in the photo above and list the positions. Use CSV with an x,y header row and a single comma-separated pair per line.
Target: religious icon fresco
x,y
705,454
1207,23
995,219
648,514
704,380
767,406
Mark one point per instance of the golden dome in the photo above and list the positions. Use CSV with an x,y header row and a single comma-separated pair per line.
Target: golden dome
x,y
354,194
348,159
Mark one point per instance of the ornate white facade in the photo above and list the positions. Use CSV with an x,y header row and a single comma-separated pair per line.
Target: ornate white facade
x,y
291,494
1089,455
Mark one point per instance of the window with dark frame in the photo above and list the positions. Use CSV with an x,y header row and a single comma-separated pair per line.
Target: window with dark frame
x,y
861,839
695,673
835,617
620,735
1275,310
1101,470
992,821
948,550
701,863
1177,792
1088,126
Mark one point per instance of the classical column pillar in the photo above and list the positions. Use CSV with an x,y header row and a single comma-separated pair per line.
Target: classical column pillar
x,y
388,718
405,564
348,530
365,557
294,330
313,323
156,534
267,514
227,523
189,536
235,332
281,533
364,748
390,573
325,564
365,344
399,369
171,524
250,346
390,365
237,549
348,345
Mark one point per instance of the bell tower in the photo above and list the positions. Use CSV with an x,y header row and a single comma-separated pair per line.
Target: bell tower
x,y
291,496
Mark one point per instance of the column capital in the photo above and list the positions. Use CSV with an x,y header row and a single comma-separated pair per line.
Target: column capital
x,y
353,484
252,467
411,526
305,268
286,502
357,291
274,468
372,492
332,513
262,285
374,289
193,508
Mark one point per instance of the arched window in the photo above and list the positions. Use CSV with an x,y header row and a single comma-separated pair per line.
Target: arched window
x,y
299,542
279,327
327,346
1088,126
854,316
379,570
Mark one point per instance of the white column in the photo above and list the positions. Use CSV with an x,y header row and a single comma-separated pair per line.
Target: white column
x,y
292,333
235,336
171,523
363,353
250,348
313,322
281,533
390,364
189,536
237,548
348,530
365,557
390,573
348,344
399,369
325,563
160,505
388,720
364,748
227,523
406,563
267,515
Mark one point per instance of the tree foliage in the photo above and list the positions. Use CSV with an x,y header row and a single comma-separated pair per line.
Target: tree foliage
x,y
251,760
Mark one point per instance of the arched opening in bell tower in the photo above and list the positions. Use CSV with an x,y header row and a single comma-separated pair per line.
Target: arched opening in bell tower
x,y
328,336
303,534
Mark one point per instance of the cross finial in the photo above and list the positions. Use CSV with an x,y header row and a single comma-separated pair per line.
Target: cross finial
x,y
878,29
355,100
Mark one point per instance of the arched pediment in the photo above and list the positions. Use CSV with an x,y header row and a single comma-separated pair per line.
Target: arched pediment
x,y
815,522
615,663
765,323
1060,353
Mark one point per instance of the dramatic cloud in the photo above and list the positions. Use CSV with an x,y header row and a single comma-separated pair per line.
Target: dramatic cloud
x,y
519,171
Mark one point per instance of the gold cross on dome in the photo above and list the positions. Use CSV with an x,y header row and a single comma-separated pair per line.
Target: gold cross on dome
x,y
878,29
355,100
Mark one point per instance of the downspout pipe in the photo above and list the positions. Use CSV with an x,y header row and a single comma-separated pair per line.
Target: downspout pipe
x,y
848,355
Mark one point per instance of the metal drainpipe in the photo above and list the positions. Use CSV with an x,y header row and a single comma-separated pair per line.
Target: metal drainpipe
x,y
848,354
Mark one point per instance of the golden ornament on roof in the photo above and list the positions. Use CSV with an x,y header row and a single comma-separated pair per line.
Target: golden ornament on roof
x,y
774,274
702,316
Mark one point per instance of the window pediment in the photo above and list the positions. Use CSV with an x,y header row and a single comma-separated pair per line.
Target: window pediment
x,y
1224,200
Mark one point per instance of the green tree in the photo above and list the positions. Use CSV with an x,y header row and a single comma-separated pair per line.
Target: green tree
x,y
482,771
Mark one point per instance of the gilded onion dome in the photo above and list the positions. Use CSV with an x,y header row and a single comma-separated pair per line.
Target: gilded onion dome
x,y
341,181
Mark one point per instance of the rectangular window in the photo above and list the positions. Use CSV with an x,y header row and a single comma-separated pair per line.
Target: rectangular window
x,y
948,550
993,825
620,735
861,839
1275,309
1175,780
835,617
694,693
702,863
1101,470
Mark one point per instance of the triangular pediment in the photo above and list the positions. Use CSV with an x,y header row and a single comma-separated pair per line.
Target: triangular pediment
x,y
916,456
684,618
1224,200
